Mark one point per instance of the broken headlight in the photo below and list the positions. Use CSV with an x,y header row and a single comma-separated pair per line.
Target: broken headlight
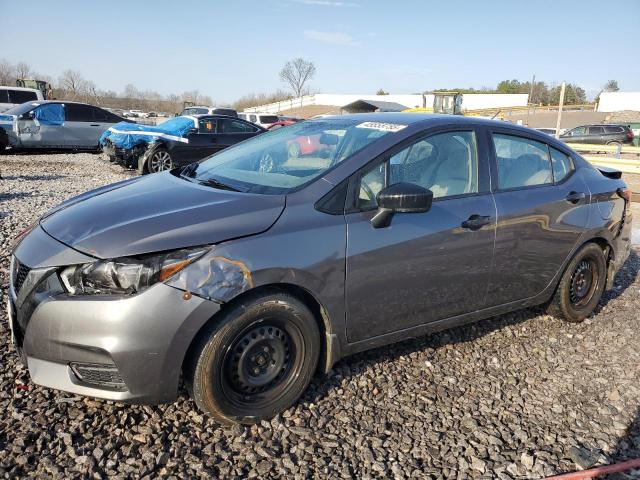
x,y
126,276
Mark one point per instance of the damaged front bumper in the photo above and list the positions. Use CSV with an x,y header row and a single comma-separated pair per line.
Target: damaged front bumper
x,y
127,157
124,348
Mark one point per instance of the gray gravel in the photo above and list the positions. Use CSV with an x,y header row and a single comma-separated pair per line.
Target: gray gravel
x,y
517,396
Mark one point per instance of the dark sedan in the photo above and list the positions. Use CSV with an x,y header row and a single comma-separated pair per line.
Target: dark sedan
x,y
247,273
176,142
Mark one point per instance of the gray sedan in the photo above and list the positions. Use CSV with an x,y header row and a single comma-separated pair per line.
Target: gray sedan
x,y
54,125
247,273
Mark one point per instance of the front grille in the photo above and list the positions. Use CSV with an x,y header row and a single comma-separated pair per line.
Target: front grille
x,y
105,376
20,272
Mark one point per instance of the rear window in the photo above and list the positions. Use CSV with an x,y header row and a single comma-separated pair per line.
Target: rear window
x,y
195,111
21,96
268,118
614,129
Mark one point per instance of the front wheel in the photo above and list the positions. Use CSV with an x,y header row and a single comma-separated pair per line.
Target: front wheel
x,y
256,361
159,161
581,285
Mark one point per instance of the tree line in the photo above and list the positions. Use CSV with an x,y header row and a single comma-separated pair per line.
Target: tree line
x,y
72,85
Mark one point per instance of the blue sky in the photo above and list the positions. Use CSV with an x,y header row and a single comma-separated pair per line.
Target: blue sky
x,y
229,48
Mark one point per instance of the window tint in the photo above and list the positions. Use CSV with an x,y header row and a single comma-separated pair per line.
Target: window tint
x,y
234,126
596,130
100,115
21,96
614,129
4,96
253,118
446,164
562,164
268,118
206,125
521,162
75,112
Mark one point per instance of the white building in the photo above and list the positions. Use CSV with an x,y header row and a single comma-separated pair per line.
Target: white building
x,y
619,101
470,101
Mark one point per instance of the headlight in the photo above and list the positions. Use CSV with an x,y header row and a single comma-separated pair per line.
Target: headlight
x,y
126,275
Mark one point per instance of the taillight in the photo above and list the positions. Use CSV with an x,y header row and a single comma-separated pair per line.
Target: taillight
x,y
630,135
624,193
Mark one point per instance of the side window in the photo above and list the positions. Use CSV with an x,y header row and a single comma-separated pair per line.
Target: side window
x,y
596,131
562,164
253,118
4,96
206,125
75,112
578,131
521,162
614,130
100,115
21,96
446,164
234,126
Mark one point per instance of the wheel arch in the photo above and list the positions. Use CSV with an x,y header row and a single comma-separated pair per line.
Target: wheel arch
x,y
329,347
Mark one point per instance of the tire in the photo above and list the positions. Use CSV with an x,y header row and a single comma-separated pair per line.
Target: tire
x,y
614,144
256,361
159,161
581,285
294,150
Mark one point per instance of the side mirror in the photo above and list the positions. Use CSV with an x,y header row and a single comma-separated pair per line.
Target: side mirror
x,y
192,131
400,198
328,139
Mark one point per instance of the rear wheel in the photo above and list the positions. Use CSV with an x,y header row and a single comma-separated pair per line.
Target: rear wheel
x,y
159,161
614,144
257,361
581,285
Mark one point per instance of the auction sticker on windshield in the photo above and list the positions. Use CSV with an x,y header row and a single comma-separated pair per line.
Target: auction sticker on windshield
x,y
385,127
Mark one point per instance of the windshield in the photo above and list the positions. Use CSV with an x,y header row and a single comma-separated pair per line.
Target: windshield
x,y
194,111
20,109
281,160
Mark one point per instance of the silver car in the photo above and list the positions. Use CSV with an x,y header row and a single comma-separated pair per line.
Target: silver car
x,y
54,124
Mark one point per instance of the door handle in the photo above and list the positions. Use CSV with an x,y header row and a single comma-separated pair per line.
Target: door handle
x,y
575,197
476,222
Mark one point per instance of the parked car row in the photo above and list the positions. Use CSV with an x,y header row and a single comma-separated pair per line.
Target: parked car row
x,y
177,141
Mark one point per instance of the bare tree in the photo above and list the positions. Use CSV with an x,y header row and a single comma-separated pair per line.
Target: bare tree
x,y
73,82
23,70
611,86
296,73
7,73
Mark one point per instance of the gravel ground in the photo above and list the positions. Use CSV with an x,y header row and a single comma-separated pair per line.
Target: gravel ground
x,y
516,396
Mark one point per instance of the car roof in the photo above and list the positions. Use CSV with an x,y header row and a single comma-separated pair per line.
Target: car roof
x,y
24,89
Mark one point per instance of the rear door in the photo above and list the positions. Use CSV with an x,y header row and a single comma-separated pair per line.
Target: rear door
x,y
427,266
541,201
232,130
595,135
82,129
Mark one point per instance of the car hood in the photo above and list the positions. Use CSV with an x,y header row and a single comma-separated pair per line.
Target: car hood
x,y
156,213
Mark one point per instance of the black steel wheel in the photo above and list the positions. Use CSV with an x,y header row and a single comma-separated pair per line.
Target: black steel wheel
x,y
256,361
581,285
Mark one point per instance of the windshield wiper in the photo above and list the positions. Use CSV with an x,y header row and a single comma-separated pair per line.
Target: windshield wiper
x,y
212,182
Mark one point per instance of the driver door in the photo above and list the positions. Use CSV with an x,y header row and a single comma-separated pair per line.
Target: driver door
x,y
42,127
427,266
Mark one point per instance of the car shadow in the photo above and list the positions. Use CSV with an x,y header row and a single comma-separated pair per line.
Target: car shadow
x,y
47,151
625,277
13,196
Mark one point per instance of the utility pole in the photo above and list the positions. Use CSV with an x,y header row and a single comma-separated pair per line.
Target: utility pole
x,y
560,109
530,95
